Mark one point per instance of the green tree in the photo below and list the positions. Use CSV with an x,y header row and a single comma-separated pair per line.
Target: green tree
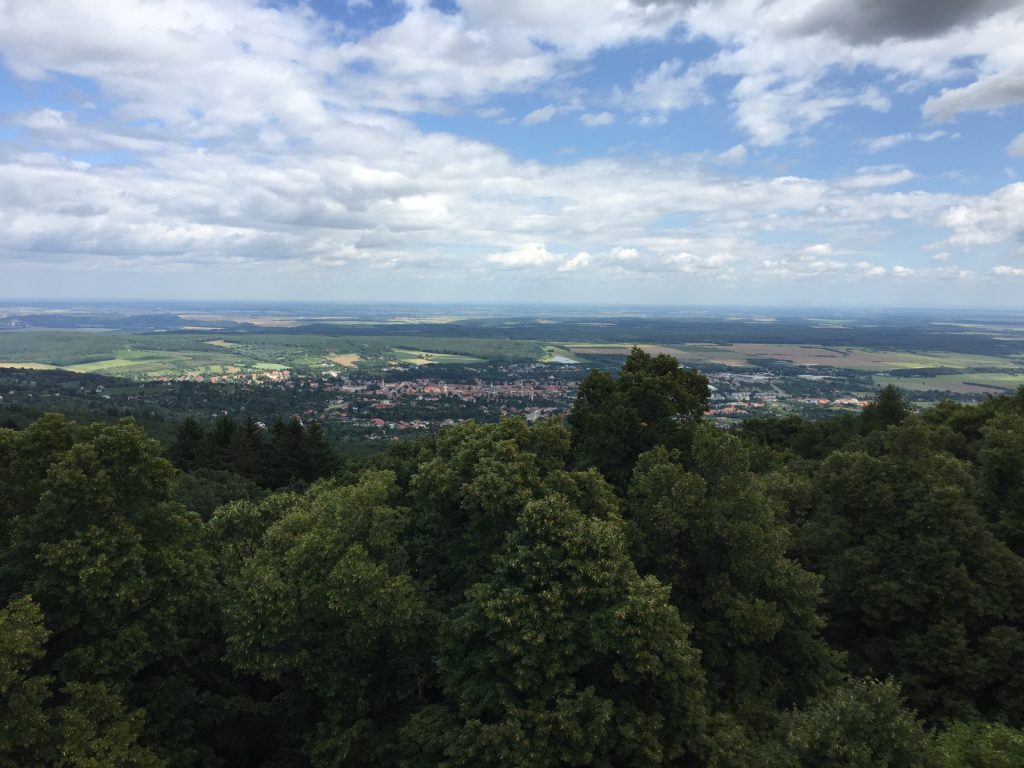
x,y
186,450
713,535
1001,476
469,494
289,456
121,572
917,585
248,452
323,461
563,655
24,724
215,449
861,724
97,730
888,409
980,745
653,402
323,606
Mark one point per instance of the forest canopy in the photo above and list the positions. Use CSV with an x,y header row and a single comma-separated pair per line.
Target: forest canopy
x,y
633,587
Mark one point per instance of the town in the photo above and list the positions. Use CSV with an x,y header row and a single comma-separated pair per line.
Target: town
x,y
387,404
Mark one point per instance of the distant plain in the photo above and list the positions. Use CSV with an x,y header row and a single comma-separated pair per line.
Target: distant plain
x,y
970,353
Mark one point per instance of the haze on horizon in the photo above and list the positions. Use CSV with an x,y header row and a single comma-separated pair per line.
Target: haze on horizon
x,y
743,152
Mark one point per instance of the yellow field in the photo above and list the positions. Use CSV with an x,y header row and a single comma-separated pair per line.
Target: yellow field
x,y
28,366
347,360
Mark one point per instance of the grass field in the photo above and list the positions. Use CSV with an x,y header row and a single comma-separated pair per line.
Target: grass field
x,y
346,360
853,358
850,358
558,354
966,383
420,357
686,354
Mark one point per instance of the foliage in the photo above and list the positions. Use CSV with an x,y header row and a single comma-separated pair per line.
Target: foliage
x,y
652,402
859,724
323,605
980,745
713,535
635,588
564,655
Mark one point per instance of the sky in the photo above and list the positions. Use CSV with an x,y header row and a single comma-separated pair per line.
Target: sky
x,y
737,152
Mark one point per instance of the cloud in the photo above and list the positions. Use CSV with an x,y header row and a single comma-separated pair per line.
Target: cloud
x,y
715,264
45,120
820,249
1016,147
668,88
994,218
882,176
1000,89
592,120
625,254
1006,271
484,47
876,21
538,116
880,143
870,270
781,65
734,156
581,259
530,255
276,143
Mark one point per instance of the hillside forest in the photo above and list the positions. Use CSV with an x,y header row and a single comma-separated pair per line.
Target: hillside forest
x,y
632,587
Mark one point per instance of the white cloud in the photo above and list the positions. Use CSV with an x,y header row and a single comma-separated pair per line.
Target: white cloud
x,y
593,120
625,254
880,143
668,88
530,255
734,156
986,220
781,53
819,249
869,269
538,116
689,263
1016,147
264,148
1006,271
868,178
581,259
489,47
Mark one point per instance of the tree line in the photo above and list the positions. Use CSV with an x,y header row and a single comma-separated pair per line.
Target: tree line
x,y
633,587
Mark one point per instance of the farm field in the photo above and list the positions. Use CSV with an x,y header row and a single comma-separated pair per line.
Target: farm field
x,y
849,358
161,355
980,383
26,366
809,356
420,357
